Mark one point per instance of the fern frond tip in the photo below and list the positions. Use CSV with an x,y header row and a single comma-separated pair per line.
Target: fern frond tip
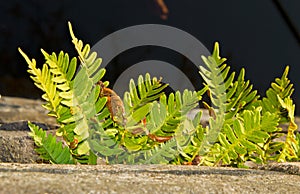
x,y
286,71
71,31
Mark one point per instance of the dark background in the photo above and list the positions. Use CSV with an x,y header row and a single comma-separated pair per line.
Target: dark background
x,y
255,34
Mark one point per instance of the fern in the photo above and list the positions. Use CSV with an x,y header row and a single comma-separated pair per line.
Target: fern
x,y
214,75
48,148
240,102
54,79
144,92
150,127
85,94
159,154
43,80
169,113
290,147
229,96
279,103
155,128
280,89
63,71
245,136
163,121
162,154
66,99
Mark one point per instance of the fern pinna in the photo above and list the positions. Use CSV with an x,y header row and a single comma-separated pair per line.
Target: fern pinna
x,y
148,126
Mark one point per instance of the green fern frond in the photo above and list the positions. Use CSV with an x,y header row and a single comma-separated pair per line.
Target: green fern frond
x,y
244,136
280,89
43,79
162,119
162,154
228,97
146,90
214,78
63,71
279,103
195,144
88,60
86,95
68,99
48,148
168,114
290,146
240,96
104,143
236,95
86,101
159,154
186,137
155,128
55,79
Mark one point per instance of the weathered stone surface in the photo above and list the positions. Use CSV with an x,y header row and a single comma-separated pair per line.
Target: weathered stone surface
x,y
42,178
287,167
19,109
16,147
15,143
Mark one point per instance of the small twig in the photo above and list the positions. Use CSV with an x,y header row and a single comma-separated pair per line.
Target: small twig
x,y
163,8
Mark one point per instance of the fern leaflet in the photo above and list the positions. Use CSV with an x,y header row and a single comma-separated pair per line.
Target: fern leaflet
x,y
48,148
